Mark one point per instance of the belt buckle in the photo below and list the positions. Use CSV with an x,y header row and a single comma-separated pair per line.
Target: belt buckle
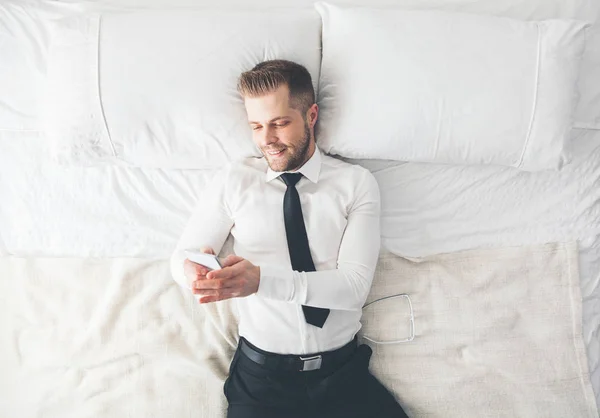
x,y
311,363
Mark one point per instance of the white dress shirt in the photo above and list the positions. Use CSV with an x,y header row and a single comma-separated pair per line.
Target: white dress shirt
x,y
340,204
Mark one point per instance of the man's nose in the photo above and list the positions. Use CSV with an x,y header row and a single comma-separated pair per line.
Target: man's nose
x,y
268,136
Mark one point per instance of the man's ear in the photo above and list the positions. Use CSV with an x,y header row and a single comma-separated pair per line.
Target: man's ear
x,y
312,114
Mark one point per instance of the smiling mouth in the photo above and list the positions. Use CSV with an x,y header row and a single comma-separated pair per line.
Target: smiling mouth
x,y
275,153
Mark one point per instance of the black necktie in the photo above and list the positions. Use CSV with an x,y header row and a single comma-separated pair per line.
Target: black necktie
x,y
298,242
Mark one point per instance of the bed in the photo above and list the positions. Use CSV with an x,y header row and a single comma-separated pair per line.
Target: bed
x,y
92,324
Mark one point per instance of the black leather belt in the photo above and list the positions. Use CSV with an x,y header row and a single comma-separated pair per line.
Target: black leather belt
x,y
292,362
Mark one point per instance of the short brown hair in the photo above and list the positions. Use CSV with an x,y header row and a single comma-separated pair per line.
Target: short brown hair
x,y
268,76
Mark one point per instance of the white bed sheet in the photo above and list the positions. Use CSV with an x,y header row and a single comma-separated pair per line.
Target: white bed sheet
x,y
427,209
52,210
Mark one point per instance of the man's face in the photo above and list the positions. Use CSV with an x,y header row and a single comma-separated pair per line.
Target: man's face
x,y
279,131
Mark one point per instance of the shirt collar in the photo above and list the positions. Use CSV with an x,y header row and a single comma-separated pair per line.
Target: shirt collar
x,y
309,169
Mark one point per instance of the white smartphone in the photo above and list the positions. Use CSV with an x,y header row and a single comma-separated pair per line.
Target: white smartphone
x,y
211,262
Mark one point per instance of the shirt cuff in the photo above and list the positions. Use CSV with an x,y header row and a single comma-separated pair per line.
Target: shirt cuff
x,y
276,283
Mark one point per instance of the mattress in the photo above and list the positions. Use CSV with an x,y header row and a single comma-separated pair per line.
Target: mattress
x,y
108,211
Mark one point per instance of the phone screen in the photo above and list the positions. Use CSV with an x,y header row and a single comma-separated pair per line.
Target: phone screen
x,y
207,260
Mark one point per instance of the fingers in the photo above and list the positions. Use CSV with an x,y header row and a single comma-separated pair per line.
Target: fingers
x,y
230,260
214,284
229,293
233,290
234,268
218,297
194,270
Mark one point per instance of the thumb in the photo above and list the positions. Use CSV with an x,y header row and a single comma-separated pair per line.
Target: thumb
x,y
230,260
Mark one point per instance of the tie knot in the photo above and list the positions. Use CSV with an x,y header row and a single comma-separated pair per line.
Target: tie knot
x,y
290,179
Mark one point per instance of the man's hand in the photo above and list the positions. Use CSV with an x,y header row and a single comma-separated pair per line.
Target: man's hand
x,y
194,271
238,278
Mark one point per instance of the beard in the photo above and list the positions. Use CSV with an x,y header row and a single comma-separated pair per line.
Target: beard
x,y
296,156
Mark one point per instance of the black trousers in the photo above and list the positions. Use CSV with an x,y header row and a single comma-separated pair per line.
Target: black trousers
x,y
350,391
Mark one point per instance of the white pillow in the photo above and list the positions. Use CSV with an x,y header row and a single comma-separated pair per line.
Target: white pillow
x,y
434,86
587,113
158,88
23,43
24,34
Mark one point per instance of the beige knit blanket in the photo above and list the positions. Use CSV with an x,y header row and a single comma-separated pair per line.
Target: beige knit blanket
x,y
497,334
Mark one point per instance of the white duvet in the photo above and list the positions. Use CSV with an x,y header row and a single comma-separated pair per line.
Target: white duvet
x,y
115,337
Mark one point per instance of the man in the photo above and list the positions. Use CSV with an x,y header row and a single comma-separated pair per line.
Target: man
x,y
306,238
